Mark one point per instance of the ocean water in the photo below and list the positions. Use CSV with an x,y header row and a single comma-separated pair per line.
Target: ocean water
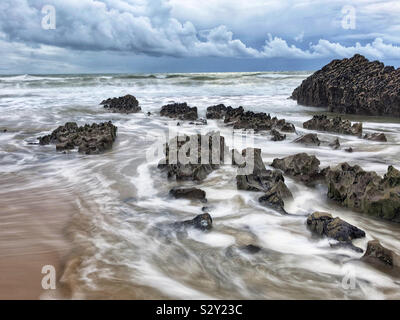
x,y
120,198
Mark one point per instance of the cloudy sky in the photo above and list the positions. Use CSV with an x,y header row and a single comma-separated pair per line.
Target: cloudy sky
x,y
193,35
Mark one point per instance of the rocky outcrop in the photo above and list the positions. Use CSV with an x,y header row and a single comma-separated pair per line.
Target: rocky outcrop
x,y
300,166
353,86
202,222
180,111
216,112
277,136
308,139
323,223
125,104
381,137
89,139
193,157
323,123
365,191
271,182
188,193
376,253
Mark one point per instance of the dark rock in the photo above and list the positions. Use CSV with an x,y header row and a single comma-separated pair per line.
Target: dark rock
x,y
274,197
323,223
300,166
188,193
309,139
90,139
179,111
365,191
277,136
202,222
349,149
378,253
250,248
149,113
199,122
381,137
323,123
335,144
198,163
125,104
216,112
5,130
353,86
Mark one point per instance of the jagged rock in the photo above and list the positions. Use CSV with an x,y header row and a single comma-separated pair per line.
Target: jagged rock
x,y
274,196
125,104
309,139
381,137
277,136
323,223
179,111
90,139
353,86
335,144
188,193
202,222
378,253
216,112
301,166
255,121
365,191
336,124
195,166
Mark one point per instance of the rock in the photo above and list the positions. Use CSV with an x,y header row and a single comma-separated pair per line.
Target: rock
x,y
216,112
300,166
188,193
250,248
349,149
199,122
125,104
179,111
149,113
324,224
365,191
309,139
5,130
274,197
336,124
377,253
335,144
90,139
381,137
346,245
202,222
195,166
353,86
277,136
240,119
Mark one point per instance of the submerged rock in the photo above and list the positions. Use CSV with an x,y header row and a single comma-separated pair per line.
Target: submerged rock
x,y
301,166
336,124
216,112
125,104
309,139
179,111
323,223
201,222
188,193
365,191
353,86
277,136
335,144
381,137
193,157
377,253
250,248
90,139
350,150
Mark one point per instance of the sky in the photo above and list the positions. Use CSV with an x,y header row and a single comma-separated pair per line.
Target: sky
x,y
127,36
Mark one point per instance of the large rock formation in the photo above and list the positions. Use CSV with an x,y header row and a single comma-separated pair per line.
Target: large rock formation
x,y
179,111
216,112
125,104
193,157
300,166
323,123
353,86
90,139
366,191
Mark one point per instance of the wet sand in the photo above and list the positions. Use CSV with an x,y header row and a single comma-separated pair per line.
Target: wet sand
x,y
33,221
